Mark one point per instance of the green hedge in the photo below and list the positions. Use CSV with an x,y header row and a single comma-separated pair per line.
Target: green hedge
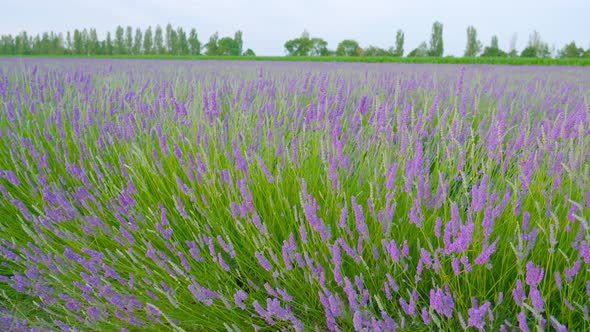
x,y
445,60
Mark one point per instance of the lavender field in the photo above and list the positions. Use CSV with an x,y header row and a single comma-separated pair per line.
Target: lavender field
x,y
209,196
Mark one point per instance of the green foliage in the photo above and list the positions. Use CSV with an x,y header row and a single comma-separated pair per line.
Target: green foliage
x,y
529,52
119,42
129,39
171,40
239,43
137,41
536,48
68,45
176,42
376,51
494,51
228,46
108,45
211,45
182,46
78,42
301,46
148,42
348,47
571,51
194,43
159,41
399,44
319,47
518,61
436,40
473,44
420,51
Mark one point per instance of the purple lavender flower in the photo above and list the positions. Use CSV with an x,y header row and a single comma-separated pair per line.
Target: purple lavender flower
x,y
571,272
477,315
536,299
361,226
484,256
534,274
522,323
518,293
239,298
442,301
263,261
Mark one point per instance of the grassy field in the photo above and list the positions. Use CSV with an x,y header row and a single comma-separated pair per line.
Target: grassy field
x,y
433,60
210,196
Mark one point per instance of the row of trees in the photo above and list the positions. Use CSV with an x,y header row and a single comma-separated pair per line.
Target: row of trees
x,y
125,41
535,48
171,41
314,46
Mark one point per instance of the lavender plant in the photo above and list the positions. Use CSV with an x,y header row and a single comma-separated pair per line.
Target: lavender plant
x,y
188,196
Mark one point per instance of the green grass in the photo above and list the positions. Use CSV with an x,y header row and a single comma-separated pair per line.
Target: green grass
x,y
377,59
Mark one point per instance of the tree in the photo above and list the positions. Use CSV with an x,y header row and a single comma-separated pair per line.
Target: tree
x,y
536,48
399,44
36,45
93,43
44,43
85,42
420,51
348,47
239,42
376,51
211,45
493,51
528,52
194,43
170,39
119,41
148,42
159,41
473,45
571,50
182,43
249,52
26,43
436,40
17,44
7,45
299,46
129,40
108,46
137,41
78,42
69,44
319,47
512,52
227,46
55,43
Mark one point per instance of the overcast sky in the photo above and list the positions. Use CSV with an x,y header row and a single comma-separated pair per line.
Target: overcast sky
x,y
267,24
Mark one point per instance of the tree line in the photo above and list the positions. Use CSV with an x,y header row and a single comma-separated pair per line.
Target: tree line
x,y
177,41
124,41
305,45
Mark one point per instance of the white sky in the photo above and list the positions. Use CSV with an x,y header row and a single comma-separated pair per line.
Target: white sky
x,y
266,24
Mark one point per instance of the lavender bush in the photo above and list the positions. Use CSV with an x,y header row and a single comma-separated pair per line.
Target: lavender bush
x,y
186,196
